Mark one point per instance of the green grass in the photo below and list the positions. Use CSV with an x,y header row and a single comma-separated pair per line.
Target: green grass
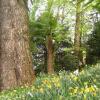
x,y
65,86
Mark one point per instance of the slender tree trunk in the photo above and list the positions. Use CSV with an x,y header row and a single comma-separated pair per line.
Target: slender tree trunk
x,y
77,40
15,59
50,55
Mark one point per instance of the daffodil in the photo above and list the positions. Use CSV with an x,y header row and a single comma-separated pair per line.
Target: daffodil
x,y
44,81
57,84
75,90
41,90
33,88
81,92
86,90
91,89
49,86
75,78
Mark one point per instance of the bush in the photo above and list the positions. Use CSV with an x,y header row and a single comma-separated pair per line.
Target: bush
x,y
68,61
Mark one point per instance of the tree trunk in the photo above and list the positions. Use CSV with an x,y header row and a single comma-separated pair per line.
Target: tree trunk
x,y
77,39
50,55
15,60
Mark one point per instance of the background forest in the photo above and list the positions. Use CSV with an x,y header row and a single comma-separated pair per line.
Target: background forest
x,y
50,50
71,27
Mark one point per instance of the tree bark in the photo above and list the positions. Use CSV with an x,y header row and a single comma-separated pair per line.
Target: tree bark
x,y
15,60
50,55
77,39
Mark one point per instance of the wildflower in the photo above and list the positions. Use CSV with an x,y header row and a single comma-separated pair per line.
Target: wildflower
x,y
41,90
70,88
75,90
71,93
75,78
76,72
76,87
33,88
92,89
95,87
57,84
45,82
49,86
81,92
26,85
55,79
86,90
72,75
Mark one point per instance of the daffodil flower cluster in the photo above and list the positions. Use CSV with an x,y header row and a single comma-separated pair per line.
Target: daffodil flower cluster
x,y
84,90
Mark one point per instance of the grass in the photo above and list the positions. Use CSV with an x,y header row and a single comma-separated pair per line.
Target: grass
x,y
64,86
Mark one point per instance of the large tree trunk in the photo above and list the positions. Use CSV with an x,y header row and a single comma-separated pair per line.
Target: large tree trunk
x,y
15,60
77,40
50,55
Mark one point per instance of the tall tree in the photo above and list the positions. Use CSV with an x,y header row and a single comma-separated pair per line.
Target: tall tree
x,y
15,59
77,39
44,27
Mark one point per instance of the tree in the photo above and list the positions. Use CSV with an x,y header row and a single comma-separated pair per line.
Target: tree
x,y
15,59
77,28
43,28
50,26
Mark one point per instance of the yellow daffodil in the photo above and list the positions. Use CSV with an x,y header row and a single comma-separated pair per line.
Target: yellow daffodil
x,y
86,90
57,84
75,90
81,92
41,90
33,88
75,78
45,81
91,89
49,86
